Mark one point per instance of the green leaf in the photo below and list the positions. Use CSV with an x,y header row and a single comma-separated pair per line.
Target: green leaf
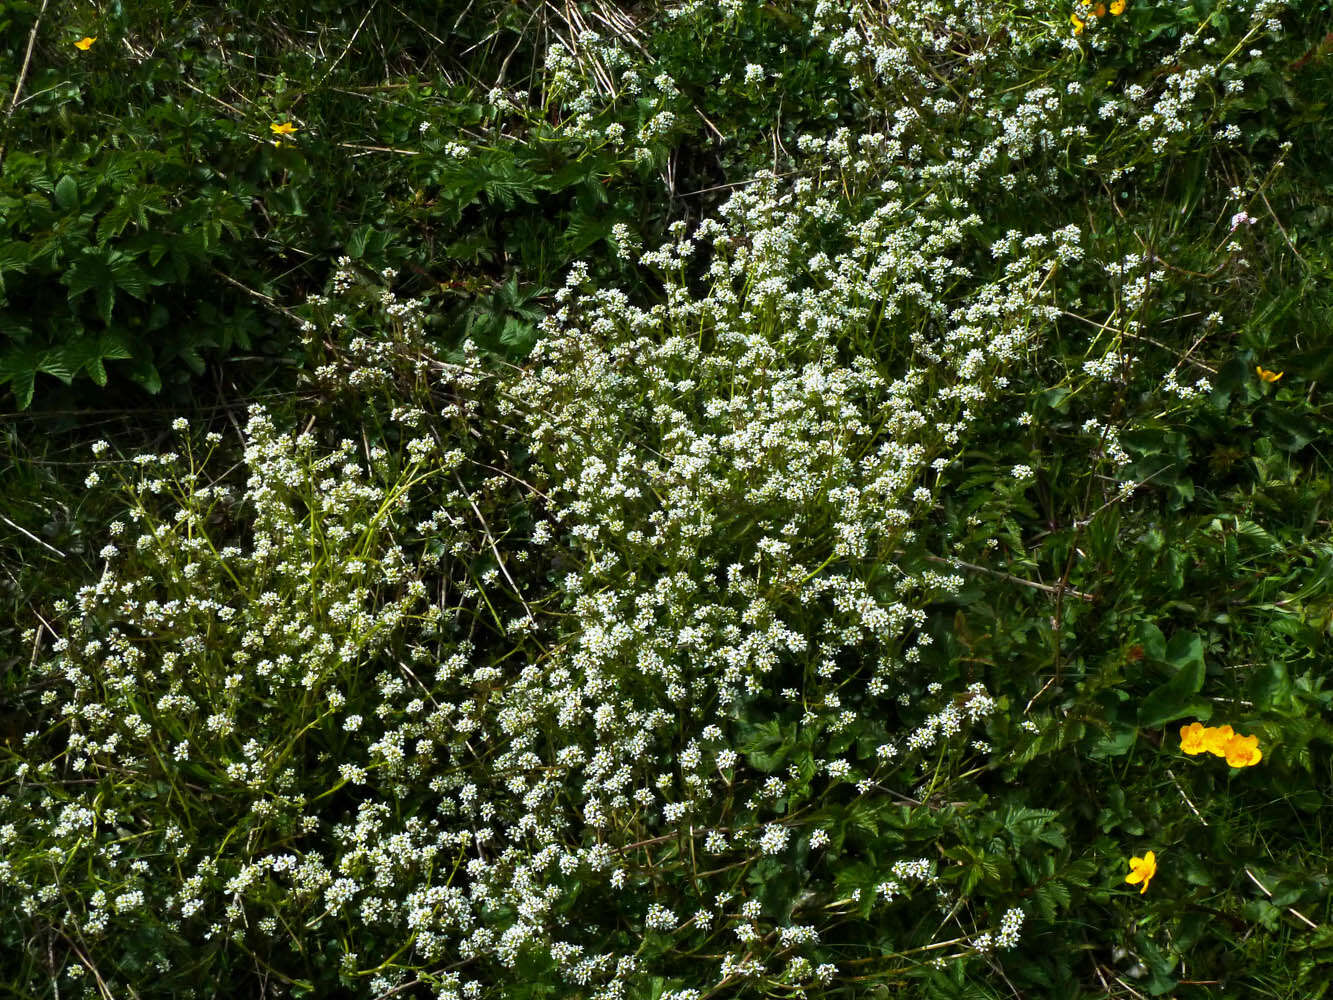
x,y
146,374
1177,699
1152,640
191,357
583,232
356,243
19,369
115,220
67,193
1184,649
13,256
1115,743
103,271
61,362
1270,686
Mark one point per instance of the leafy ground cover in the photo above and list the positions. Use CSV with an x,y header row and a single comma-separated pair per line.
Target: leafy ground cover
x,y
669,502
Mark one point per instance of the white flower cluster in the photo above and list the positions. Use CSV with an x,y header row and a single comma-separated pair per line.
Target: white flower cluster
x,y
1110,367
1010,926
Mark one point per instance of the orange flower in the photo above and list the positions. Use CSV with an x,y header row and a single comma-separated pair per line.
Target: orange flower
x,y
1215,739
1100,10
1192,739
1243,751
85,43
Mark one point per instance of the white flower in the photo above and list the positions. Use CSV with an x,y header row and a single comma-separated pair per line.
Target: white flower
x,y
774,838
660,918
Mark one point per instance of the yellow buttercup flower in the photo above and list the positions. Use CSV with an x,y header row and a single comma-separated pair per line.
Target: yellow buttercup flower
x,y
85,43
286,128
1077,22
1215,739
1142,870
1266,375
1191,739
1221,741
1243,751
1117,7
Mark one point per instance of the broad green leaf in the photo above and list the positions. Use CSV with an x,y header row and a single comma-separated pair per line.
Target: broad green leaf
x,y
1152,640
1184,649
1177,698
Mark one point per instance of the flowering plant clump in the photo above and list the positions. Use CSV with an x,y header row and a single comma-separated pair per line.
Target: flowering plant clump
x,y
314,635
1220,741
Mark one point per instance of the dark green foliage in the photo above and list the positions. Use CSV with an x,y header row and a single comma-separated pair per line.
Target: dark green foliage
x,y
152,221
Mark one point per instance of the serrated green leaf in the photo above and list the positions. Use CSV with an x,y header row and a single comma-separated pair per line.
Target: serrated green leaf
x,y
13,256
60,362
19,370
103,271
67,193
583,232
356,243
115,220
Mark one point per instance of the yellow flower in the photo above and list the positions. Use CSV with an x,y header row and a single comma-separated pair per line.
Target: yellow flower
x,y
1215,739
286,128
85,43
1191,739
1243,751
1266,375
1077,22
1142,870
1117,7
